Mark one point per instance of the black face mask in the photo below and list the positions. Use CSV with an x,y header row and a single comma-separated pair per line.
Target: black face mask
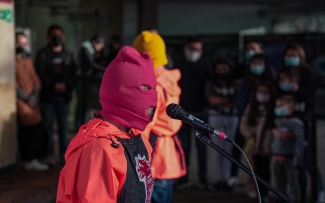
x,y
20,50
56,41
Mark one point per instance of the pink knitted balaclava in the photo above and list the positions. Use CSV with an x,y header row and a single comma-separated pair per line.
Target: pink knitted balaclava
x,y
121,96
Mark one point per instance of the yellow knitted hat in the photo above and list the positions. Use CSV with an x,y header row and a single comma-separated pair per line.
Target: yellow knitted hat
x,y
154,45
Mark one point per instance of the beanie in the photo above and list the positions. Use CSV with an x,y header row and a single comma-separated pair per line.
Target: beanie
x,y
121,96
154,45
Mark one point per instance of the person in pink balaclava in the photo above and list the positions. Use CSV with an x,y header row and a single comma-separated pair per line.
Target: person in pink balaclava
x,y
109,160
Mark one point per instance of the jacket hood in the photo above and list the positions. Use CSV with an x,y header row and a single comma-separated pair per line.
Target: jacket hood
x,y
94,129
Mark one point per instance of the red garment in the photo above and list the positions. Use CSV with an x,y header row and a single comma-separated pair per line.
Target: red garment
x,y
95,171
168,156
121,96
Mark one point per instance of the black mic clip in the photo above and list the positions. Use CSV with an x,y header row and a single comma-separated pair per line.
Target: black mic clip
x,y
200,135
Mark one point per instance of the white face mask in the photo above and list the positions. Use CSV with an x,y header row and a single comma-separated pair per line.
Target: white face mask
x,y
262,98
192,56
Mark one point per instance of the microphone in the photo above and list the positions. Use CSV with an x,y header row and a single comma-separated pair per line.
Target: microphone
x,y
177,112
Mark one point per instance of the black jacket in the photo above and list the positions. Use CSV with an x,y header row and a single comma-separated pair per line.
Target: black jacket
x,y
49,78
192,83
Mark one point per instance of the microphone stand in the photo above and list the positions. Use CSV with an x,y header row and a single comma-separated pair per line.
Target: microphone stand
x,y
207,141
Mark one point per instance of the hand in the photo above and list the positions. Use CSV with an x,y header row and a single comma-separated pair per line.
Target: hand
x,y
31,104
285,136
60,87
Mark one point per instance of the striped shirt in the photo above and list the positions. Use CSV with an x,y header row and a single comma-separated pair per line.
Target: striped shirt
x,y
293,147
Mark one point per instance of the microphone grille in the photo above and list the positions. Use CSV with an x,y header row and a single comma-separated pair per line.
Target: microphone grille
x,y
170,110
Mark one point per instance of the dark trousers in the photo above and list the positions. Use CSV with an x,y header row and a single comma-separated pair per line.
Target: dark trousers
x,y
58,108
185,137
262,169
32,142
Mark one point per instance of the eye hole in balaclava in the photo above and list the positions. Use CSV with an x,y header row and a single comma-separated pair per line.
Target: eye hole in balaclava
x,y
151,110
146,87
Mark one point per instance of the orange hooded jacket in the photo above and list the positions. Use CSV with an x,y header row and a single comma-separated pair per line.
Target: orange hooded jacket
x,y
95,172
168,160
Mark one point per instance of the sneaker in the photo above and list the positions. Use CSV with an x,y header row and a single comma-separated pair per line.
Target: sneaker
x,y
35,165
203,184
321,197
183,183
233,181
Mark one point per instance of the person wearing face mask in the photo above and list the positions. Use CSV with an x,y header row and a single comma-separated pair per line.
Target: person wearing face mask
x,y
294,55
195,73
32,136
289,84
221,94
56,68
90,71
256,126
168,161
258,71
287,148
251,48
109,160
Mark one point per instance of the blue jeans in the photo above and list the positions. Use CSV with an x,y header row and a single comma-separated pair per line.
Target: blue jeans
x,y
162,191
58,108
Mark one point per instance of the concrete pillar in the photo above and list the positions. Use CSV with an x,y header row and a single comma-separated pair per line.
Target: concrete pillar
x,y
7,85
147,14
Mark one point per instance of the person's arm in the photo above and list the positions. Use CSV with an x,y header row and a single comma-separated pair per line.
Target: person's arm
x,y
21,94
93,174
91,61
34,97
213,99
245,129
218,101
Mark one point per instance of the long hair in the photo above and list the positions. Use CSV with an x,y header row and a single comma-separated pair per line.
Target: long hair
x,y
266,76
254,104
301,52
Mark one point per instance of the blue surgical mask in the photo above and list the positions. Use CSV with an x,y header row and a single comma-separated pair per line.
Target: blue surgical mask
x,y
292,61
281,111
249,54
257,69
286,86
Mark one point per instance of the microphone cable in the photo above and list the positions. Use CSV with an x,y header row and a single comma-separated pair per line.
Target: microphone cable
x,y
251,168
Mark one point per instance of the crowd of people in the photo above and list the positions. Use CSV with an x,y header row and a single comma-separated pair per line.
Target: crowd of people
x,y
263,110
